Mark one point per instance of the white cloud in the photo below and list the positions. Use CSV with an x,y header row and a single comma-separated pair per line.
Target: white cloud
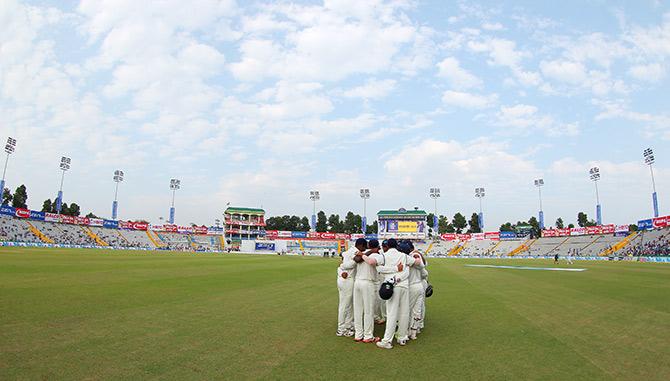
x,y
458,77
503,52
649,73
372,89
328,44
654,124
564,71
493,26
468,100
523,119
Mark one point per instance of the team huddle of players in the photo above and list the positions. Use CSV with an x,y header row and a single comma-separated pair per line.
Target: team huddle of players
x,y
380,285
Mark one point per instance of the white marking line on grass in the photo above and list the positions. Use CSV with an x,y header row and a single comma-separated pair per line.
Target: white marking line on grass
x,y
527,268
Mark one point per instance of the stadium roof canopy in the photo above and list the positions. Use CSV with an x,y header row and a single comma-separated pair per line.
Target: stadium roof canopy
x,y
240,210
402,212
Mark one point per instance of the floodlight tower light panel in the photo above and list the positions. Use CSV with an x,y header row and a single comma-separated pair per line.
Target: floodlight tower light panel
x,y
11,145
649,156
65,163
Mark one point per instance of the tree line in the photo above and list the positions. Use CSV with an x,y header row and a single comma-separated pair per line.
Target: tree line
x,y
351,224
19,199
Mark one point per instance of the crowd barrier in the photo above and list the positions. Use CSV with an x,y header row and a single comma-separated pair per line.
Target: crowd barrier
x,y
63,246
562,258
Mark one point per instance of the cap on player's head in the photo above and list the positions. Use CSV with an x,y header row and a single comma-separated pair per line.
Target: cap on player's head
x,y
392,243
361,244
373,244
385,243
405,246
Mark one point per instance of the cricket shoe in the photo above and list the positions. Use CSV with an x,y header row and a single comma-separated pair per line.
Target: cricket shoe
x,y
349,333
358,340
384,345
412,334
402,342
372,340
340,333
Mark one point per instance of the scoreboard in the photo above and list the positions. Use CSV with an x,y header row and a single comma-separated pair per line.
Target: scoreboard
x,y
402,223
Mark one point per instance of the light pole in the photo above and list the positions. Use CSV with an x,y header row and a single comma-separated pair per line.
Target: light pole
x,y
435,194
9,148
314,196
539,183
479,193
595,176
650,160
118,177
365,195
175,184
64,166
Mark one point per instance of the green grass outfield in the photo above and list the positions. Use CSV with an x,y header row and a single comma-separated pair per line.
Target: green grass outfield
x,y
91,314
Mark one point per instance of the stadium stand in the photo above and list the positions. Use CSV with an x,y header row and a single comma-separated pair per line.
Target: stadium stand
x,y
479,248
63,234
14,230
206,242
441,248
649,243
174,241
137,239
645,243
504,248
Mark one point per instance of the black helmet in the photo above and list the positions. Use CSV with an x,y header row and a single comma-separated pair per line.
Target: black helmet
x,y
429,291
386,290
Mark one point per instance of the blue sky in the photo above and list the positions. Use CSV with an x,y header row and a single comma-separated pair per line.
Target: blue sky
x,y
256,103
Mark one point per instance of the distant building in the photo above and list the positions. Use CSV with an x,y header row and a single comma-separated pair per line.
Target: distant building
x,y
402,223
243,223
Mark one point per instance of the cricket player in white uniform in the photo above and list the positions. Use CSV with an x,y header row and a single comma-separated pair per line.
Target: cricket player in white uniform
x,y
364,297
346,273
417,293
424,283
395,265
380,305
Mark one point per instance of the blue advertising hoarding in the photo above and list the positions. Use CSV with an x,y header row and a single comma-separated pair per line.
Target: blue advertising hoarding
x,y
7,210
35,215
645,224
507,235
298,234
265,246
110,224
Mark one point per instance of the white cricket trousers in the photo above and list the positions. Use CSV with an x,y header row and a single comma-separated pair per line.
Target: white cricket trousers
x,y
380,304
364,304
397,314
416,303
345,313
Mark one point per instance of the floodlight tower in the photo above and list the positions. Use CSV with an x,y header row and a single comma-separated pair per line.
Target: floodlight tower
x,y
480,193
539,183
118,177
365,195
650,160
9,148
175,184
435,194
64,166
595,176
314,196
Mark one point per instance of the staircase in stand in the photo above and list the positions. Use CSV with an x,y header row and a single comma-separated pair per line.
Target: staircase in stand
x,y
94,236
619,245
38,233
